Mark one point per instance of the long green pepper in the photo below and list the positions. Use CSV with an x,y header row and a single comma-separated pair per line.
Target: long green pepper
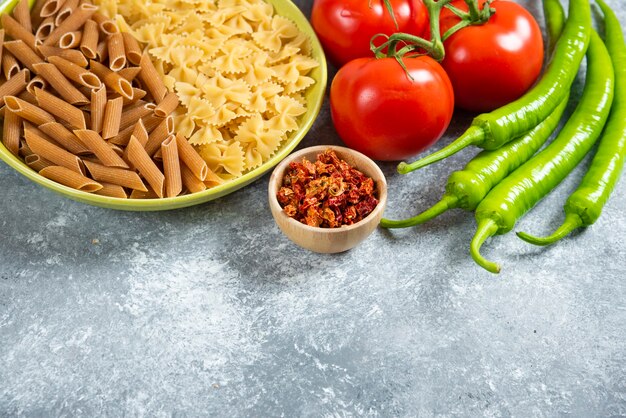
x,y
520,191
584,206
492,130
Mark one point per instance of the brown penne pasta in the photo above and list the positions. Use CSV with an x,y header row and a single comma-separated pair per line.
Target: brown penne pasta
x,y
51,152
13,86
151,79
51,7
106,25
112,190
150,122
60,84
10,66
146,167
1,43
66,10
169,103
23,53
71,179
70,40
112,116
191,158
21,13
89,42
44,30
159,134
102,51
27,97
138,94
212,179
129,73
140,132
104,151
136,194
11,132
64,138
72,23
171,167
16,31
131,114
61,109
132,48
97,108
36,82
71,55
28,111
117,56
191,182
114,175
35,13
25,150
36,162
76,73
112,80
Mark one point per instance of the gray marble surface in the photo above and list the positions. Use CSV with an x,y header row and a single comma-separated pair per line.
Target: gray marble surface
x,y
211,310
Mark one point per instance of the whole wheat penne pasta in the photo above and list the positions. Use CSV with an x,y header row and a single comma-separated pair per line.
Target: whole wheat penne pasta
x,y
13,86
25,150
136,194
150,122
171,167
159,134
89,42
60,84
29,126
158,156
66,10
191,182
1,43
97,145
76,73
16,31
35,13
129,73
112,190
36,82
151,79
50,151
71,55
102,51
146,167
115,175
118,150
28,97
112,80
72,23
106,25
11,132
169,103
140,132
117,55
23,53
64,137
212,179
70,40
21,13
70,178
10,66
51,7
191,158
61,109
132,48
28,111
138,94
44,29
36,162
98,107
130,115
112,115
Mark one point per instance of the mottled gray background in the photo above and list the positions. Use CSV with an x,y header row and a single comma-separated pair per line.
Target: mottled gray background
x,y
211,310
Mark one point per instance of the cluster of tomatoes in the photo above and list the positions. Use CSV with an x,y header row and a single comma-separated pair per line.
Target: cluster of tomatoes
x,y
392,113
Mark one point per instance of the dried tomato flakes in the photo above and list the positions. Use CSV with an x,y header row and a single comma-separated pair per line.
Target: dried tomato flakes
x,y
327,193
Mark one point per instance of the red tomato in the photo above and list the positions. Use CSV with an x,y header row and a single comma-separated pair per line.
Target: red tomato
x,y
345,27
493,64
378,110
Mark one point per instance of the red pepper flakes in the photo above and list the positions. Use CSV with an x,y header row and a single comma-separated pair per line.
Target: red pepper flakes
x,y
328,193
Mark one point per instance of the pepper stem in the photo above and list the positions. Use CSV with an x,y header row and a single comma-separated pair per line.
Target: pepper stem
x,y
473,136
447,202
572,221
486,228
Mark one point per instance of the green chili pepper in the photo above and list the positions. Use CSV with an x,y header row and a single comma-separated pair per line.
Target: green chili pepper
x,y
520,191
555,20
584,206
492,130
467,187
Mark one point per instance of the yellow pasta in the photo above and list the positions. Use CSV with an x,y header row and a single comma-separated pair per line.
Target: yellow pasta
x,y
112,116
97,108
114,175
28,111
11,132
70,178
103,150
144,164
23,53
60,108
13,86
51,152
76,73
60,84
112,80
89,41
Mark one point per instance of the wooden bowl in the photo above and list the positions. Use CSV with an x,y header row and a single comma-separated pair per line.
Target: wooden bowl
x,y
328,240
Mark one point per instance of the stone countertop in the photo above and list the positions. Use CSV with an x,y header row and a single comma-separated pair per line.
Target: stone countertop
x,y
211,310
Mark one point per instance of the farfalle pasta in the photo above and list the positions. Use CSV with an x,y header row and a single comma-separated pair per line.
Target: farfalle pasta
x,y
240,72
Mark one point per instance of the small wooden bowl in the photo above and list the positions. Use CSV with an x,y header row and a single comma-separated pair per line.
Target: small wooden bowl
x,y
328,240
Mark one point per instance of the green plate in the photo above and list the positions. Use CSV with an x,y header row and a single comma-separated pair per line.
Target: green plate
x,y
314,96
